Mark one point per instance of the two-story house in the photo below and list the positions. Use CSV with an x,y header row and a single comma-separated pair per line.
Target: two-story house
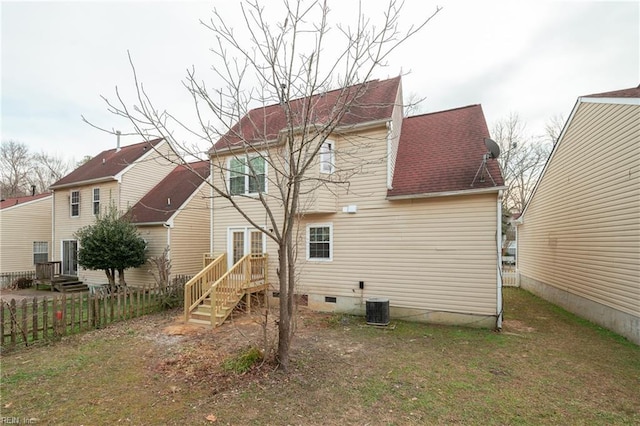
x,y
419,222
120,177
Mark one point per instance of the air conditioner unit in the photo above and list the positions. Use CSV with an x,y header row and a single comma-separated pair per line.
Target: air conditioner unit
x,y
378,311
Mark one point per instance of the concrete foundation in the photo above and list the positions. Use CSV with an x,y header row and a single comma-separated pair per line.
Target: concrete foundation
x,y
619,322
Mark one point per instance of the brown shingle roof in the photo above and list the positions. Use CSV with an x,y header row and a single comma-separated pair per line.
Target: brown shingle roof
x,y
375,102
633,92
14,201
107,164
159,204
441,152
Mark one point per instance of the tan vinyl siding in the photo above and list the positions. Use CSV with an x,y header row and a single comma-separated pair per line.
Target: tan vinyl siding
x,y
65,225
146,173
190,235
20,226
156,237
434,254
581,231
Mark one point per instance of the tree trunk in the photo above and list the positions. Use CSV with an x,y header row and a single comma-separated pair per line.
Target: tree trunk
x,y
110,273
284,324
121,281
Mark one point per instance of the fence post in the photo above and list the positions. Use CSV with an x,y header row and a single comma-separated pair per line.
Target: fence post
x,y
2,322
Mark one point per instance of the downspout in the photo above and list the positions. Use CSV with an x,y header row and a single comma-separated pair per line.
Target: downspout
x,y
211,207
499,264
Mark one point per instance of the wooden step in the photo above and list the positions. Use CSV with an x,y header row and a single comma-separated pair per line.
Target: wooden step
x,y
71,286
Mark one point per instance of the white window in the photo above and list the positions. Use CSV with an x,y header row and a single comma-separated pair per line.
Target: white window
x,y
320,242
75,203
96,201
247,177
40,252
327,157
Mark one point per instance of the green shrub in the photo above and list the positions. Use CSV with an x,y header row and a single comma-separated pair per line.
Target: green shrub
x,y
244,361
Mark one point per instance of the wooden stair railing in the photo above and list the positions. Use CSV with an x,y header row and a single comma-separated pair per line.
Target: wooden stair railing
x,y
219,300
198,288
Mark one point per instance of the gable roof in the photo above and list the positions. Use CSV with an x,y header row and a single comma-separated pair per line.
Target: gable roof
x,y
169,195
15,201
442,152
633,92
106,165
370,102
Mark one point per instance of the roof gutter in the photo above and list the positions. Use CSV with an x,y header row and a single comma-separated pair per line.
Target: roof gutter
x,y
447,193
84,182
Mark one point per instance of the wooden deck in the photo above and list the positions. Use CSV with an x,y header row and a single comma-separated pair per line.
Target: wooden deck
x,y
50,274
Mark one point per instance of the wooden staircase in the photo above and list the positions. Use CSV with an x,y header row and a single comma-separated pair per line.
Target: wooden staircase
x,y
68,284
49,273
214,292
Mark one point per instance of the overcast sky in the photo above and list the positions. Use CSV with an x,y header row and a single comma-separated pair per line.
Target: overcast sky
x,y
530,57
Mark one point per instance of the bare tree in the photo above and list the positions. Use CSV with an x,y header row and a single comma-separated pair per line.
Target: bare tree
x,y
521,160
47,169
15,163
289,65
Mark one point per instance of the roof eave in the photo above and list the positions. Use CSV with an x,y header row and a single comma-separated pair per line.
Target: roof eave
x,y
84,182
446,193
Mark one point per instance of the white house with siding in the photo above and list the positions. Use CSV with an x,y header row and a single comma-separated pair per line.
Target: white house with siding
x,y
579,235
119,177
417,224
25,232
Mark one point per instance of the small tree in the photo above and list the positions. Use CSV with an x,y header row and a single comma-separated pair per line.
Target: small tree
x,y
111,244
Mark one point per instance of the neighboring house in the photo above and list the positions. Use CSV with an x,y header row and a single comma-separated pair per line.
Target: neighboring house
x,y
579,235
175,214
25,232
119,177
418,224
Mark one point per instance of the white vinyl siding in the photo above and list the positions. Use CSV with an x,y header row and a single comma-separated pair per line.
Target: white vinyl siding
x,y
581,229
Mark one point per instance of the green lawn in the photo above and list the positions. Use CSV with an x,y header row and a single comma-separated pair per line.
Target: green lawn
x,y
546,367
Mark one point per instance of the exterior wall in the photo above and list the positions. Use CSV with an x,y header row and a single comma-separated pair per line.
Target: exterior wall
x,y
135,182
579,241
157,238
20,226
190,235
65,225
434,259
147,172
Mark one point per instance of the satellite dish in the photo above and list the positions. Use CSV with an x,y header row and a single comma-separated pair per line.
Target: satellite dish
x,y
492,147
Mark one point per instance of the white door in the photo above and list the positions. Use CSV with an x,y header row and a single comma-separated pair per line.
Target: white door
x,y
241,241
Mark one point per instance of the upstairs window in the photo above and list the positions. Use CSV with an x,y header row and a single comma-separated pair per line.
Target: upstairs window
x,y
320,242
75,203
96,201
327,157
40,252
247,177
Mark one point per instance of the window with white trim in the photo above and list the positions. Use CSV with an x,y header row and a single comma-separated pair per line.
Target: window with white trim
x,y
320,241
75,203
96,201
40,252
327,157
247,177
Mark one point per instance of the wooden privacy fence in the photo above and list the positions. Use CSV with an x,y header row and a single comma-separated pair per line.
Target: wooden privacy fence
x,y
41,318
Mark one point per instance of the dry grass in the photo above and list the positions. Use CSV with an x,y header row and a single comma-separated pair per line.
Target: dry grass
x,y
546,367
